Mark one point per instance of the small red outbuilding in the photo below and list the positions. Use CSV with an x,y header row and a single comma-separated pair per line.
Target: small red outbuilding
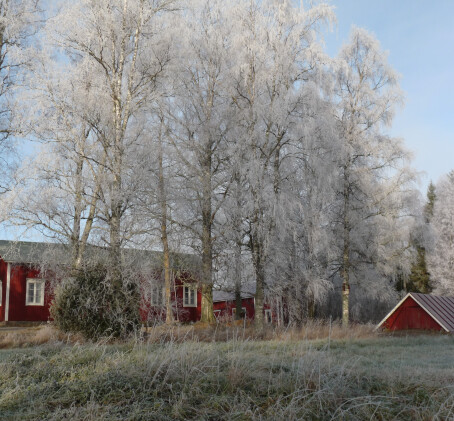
x,y
421,312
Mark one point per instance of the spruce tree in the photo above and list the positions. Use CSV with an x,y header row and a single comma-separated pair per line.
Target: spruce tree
x,y
419,279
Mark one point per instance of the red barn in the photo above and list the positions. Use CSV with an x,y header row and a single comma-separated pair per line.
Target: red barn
x,y
421,312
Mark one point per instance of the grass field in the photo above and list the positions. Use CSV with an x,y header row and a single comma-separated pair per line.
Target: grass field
x,y
370,377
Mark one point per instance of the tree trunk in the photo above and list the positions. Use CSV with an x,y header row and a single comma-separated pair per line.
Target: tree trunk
x,y
259,280
75,261
346,252
79,239
164,239
259,297
237,246
238,301
207,244
311,307
207,304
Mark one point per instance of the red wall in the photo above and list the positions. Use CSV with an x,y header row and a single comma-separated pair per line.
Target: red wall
x,y
182,314
3,267
227,306
410,315
18,311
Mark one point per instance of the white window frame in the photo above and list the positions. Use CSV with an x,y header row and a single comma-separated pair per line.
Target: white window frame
x,y
1,292
188,303
37,301
243,310
155,292
268,311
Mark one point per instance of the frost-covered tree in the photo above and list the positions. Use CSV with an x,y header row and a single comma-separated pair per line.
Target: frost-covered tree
x,y
57,190
440,257
221,127
303,247
19,23
419,277
373,172
121,45
200,118
276,53
116,42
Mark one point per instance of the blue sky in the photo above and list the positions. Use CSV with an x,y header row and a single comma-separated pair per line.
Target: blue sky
x,y
419,36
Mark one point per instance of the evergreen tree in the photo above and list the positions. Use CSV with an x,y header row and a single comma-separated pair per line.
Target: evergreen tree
x,y
419,279
429,208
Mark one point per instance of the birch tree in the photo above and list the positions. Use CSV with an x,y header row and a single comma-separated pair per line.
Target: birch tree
x,y
201,120
156,198
19,22
373,170
68,170
276,52
117,41
303,246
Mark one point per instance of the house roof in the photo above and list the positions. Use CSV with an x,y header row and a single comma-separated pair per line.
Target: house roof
x,y
247,291
440,308
34,252
26,251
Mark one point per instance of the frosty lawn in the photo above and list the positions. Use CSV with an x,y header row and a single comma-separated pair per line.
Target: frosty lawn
x,y
377,378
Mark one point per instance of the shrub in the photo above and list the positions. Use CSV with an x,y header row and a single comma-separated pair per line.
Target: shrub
x,y
91,304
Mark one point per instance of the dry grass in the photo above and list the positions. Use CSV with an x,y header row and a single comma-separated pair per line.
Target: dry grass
x,y
373,378
222,332
239,330
32,336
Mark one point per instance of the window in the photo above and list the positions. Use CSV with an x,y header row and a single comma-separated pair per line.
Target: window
x,y
243,311
157,295
189,296
268,316
35,292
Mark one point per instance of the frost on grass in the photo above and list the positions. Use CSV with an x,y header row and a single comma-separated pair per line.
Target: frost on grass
x,y
231,380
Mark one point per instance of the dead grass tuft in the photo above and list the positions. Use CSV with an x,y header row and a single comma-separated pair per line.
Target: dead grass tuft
x,y
240,330
18,337
198,332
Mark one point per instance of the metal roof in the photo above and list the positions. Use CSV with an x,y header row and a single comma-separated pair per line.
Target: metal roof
x,y
228,296
440,308
26,251
34,252
247,291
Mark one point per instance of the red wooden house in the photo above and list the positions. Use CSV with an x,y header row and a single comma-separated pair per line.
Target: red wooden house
x,y
224,305
186,297
421,312
25,296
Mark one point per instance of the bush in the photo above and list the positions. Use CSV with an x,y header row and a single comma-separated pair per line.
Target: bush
x,y
91,304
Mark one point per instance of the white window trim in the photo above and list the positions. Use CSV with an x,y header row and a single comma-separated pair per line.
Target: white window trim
x,y
156,304
268,311
1,292
243,309
43,285
8,283
190,288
